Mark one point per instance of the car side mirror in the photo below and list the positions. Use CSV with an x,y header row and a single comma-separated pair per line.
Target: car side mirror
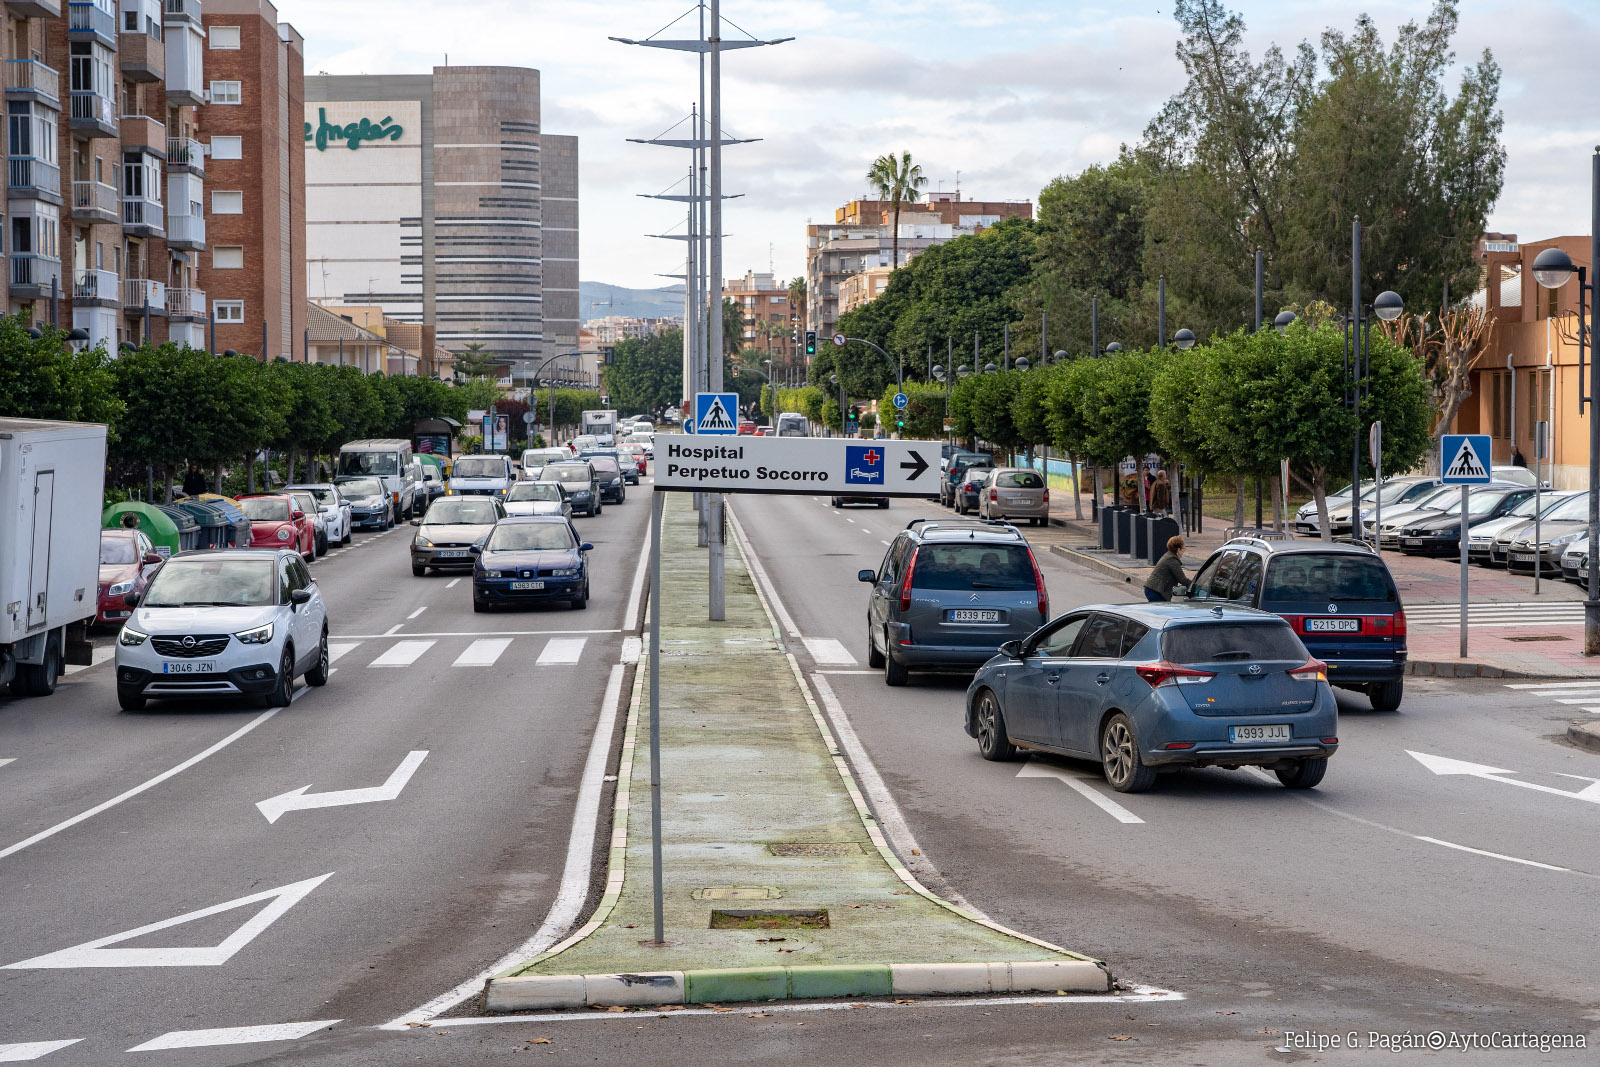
x,y
300,596
476,550
151,557
299,514
416,522
1011,650
867,576
586,547
131,599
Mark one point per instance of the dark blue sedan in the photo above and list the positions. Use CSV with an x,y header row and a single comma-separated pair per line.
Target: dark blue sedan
x,y
528,560
1142,687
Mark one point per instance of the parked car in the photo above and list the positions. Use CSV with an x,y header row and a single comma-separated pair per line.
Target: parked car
x,y
538,498
1147,687
369,505
1481,540
128,561
319,525
1563,526
1014,493
1440,532
334,508
276,521
1575,561
531,559
1394,495
453,526
947,594
1340,600
221,623
968,482
1400,516
577,477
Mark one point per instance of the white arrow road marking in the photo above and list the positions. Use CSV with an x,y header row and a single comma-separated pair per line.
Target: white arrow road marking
x,y
1034,769
1445,765
96,954
297,800
826,652
233,1035
32,1050
8,759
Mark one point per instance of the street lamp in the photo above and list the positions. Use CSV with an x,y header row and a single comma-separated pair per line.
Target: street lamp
x,y
963,370
1281,323
1184,339
1061,354
1388,305
1113,347
1022,363
834,378
989,368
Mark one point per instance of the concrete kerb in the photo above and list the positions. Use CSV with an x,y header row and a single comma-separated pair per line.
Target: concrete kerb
x,y
1585,735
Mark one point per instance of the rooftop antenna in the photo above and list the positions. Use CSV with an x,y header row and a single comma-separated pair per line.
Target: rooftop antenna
x,y
324,277
958,185
770,268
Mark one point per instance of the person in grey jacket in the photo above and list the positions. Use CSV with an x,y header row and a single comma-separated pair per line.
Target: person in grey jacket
x,y
1168,573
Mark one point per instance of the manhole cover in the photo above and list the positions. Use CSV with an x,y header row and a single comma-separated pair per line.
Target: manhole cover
x,y
819,848
738,892
753,919
1540,637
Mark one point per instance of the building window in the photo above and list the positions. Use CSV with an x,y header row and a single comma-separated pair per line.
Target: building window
x,y
141,177
223,38
227,202
227,148
227,257
227,92
228,310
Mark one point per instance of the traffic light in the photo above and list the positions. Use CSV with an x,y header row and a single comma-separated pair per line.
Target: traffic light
x,y
811,342
735,371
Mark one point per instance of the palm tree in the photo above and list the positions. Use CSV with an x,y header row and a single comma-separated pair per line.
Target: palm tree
x,y
896,180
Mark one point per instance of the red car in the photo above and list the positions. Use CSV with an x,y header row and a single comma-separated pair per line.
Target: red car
x,y
276,521
636,454
747,429
127,563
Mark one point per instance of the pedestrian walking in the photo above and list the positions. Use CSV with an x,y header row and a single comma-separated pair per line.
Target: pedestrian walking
x,y
1517,459
1161,493
1168,574
194,482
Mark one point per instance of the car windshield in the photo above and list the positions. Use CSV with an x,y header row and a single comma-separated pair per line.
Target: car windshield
x,y
369,463
265,508
213,582
565,472
361,487
641,438
1538,505
1393,491
1303,576
1480,503
461,510
1438,498
479,467
1574,509
1232,641
539,457
604,465
1018,480
117,550
530,537
525,491
973,566
321,496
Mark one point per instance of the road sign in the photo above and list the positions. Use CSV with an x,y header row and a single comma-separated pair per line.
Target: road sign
x,y
900,400
714,413
816,466
839,340
1465,458
1375,445
528,418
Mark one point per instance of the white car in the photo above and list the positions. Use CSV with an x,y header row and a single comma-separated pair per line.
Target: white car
x,y
538,498
334,508
229,622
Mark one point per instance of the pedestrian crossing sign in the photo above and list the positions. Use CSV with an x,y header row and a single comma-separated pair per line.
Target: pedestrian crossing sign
x,y
1465,458
714,413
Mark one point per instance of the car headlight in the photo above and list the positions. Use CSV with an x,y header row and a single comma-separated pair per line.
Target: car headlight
x,y
422,542
284,533
258,636
567,572
121,588
131,638
1566,539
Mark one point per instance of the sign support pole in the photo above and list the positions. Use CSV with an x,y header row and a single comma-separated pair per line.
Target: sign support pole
x,y
656,502
1464,491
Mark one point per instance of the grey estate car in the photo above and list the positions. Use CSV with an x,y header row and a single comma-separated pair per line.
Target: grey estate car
x,y
948,593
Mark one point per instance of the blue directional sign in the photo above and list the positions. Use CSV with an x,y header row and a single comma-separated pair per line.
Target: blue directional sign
x,y
1465,458
716,413
900,400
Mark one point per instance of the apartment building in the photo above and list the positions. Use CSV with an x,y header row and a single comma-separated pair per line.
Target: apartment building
x,y
864,286
613,328
769,322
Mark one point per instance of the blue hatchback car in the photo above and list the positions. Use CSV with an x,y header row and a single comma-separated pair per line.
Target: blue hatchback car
x,y
1145,687
531,559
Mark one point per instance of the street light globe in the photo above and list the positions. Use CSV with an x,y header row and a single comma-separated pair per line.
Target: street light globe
x,y
35,333
1552,268
1114,346
1061,354
1022,363
833,378
963,370
1388,305
938,371
989,368
1184,339
230,352
1283,320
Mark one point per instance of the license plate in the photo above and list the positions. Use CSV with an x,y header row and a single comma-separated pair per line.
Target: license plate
x,y
1018,500
1333,626
1241,735
974,615
521,587
1522,557
202,666
453,554
1583,572
1411,540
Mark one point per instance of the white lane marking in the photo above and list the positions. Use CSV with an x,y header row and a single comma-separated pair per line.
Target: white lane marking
x,y
24,1051
630,614
95,954
476,633
1034,769
8,759
152,783
451,584
561,650
847,672
298,800
1579,700
1493,855
402,654
827,651
848,519
1443,765
568,905
414,614
885,543
340,648
483,652
233,1035
632,649
1554,685
754,563
100,654
391,630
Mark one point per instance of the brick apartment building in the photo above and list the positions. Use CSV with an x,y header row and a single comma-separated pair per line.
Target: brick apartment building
x,y
769,322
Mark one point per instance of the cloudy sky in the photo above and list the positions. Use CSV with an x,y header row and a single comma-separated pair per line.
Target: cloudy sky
x,y
1000,94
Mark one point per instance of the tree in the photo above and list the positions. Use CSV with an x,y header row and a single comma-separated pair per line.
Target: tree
x,y
797,298
646,373
993,396
1448,351
924,410
474,362
895,180
732,327
44,379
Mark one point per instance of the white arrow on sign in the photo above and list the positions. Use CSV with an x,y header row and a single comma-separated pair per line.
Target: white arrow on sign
x,y
1446,765
297,800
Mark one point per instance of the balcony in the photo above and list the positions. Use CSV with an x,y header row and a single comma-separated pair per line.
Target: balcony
x,y
187,232
34,276
186,155
186,305
34,9
143,58
180,11
28,79
96,287
96,202
94,114
143,217
91,22
29,178
185,64
141,293
143,133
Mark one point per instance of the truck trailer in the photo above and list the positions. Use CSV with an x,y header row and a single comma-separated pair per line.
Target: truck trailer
x,y
602,424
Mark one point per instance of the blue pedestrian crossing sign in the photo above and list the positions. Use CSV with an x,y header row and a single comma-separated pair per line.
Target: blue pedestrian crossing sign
x,y
1465,458
716,413
899,400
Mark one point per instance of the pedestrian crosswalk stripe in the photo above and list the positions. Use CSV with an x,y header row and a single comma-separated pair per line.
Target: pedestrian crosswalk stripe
x,y
233,1035
1557,613
827,650
402,654
482,652
337,649
22,1052
1555,685
562,650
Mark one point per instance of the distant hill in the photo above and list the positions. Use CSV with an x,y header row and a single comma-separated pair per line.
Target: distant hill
x,y
633,303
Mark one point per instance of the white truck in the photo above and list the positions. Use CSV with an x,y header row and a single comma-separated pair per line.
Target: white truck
x,y
52,479
601,424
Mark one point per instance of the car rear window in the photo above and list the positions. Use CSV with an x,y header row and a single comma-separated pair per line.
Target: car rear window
x,y
1227,641
1019,480
973,566
265,509
1334,576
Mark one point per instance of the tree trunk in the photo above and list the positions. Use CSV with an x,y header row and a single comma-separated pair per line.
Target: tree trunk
x,y
166,476
293,456
1277,503
1077,489
1319,492
216,477
250,473
894,237
1238,501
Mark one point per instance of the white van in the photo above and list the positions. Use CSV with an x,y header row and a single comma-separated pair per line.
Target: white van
x,y
391,462
488,475
534,459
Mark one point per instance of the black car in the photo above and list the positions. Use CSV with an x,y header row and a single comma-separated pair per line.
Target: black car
x,y
608,473
627,464
578,479
1439,532
963,488
949,460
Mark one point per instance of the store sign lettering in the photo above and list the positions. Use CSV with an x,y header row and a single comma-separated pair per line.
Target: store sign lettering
x,y
352,134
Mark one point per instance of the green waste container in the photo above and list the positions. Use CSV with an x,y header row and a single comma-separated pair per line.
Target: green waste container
x,y
188,528
215,529
155,523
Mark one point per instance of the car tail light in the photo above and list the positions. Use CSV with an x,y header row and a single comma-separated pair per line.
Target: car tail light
x,y
1297,623
1400,623
1330,740
1178,744
905,587
1164,673
1038,586
1046,497
1313,670
993,495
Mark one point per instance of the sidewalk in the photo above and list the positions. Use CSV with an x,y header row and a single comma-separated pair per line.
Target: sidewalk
x,y
778,883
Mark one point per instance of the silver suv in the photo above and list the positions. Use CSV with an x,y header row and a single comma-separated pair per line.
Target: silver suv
x,y
948,593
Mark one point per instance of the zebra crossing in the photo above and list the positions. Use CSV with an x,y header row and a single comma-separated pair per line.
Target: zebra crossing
x,y
1518,613
1573,696
401,651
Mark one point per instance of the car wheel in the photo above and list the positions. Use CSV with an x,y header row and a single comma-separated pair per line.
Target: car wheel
x,y
345,540
874,657
39,679
579,603
1304,774
993,741
320,546
419,570
130,701
894,672
883,503
1386,695
833,502
283,688
1120,760
318,675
